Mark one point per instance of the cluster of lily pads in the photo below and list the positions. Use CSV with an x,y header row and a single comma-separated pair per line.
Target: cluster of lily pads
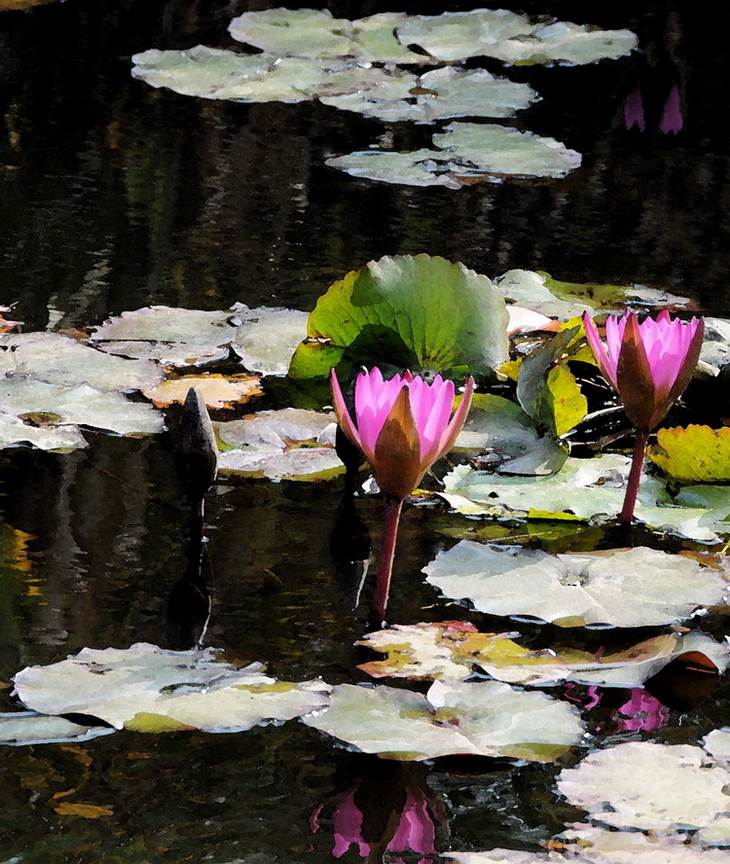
x,y
374,66
520,336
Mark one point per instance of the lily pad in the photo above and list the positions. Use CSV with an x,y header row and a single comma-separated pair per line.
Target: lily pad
x,y
452,650
439,94
507,438
660,788
149,689
575,590
27,727
695,454
593,844
485,719
14,431
217,391
715,351
530,289
409,311
315,33
264,339
289,444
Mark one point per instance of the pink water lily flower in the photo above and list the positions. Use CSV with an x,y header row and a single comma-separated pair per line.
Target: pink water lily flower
x,y
402,425
649,364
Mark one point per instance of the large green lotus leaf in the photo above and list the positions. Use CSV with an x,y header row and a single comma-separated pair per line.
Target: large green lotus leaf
x,y
19,728
695,454
315,33
289,444
565,43
660,788
575,590
507,439
14,431
407,311
451,650
485,719
501,150
440,93
547,389
212,73
56,359
149,689
83,405
263,339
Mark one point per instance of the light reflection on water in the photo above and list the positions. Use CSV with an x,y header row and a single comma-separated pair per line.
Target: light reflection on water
x,y
115,196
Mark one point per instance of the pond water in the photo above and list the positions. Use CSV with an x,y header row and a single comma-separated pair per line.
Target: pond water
x,y
115,196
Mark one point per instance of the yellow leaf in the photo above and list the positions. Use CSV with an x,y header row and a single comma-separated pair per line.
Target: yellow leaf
x,y
217,390
695,454
147,722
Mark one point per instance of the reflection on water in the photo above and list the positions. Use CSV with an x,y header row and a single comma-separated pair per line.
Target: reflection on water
x,y
114,196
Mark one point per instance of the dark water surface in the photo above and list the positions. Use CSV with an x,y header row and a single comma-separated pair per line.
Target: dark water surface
x,y
114,196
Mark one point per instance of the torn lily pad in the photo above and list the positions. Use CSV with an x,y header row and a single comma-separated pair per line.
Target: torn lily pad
x,y
217,391
454,650
485,719
27,727
665,789
148,689
576,590
439,94
289,444
264,338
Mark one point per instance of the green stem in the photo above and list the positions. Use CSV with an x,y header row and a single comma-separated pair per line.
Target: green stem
x,y
379,602
632,487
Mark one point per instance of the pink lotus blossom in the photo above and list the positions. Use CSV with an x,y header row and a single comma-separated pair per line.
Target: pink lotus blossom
x,y
649,364
402,425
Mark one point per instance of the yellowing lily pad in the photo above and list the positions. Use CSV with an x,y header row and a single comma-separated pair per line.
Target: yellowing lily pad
x,y
150,689
217,391
574,590
695,454
485,718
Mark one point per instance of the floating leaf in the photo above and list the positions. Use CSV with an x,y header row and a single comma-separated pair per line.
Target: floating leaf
x,y
85,811
290,444
407,311
530,289
217,391
148,689
573,590
650,787
715,351
27,727
453,650
594,845
507,438
439,94
485,719
693,454
14,431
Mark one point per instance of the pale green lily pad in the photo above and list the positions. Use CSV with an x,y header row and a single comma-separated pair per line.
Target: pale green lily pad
x,y
594,845
412,168
289,444
315,33
212,73
528,288
439,94
715,351
486,719
26,727
56,359
498,856
452,650
507,437
664,789
575,590
149,689
13,431
264,339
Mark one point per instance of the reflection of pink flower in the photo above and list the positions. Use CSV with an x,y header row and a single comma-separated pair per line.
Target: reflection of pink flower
x,y
401,425
347,824
634,111
672,118
642,712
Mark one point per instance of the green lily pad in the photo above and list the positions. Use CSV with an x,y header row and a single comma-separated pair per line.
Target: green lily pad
x,y
149,689
485,719
418,312
439,94
693,454
528,288
315,33
289,444
664,789
452,650
575,590
26,727
507,438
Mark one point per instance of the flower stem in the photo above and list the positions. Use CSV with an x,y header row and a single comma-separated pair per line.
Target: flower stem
x,y
632,487
379,602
